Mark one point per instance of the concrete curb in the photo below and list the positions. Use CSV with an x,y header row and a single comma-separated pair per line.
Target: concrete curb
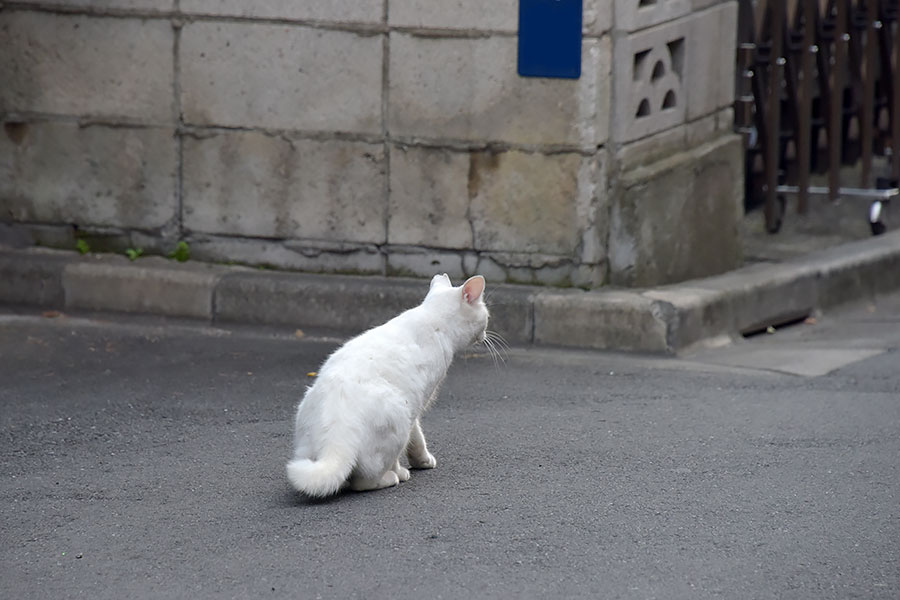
x,y
665,319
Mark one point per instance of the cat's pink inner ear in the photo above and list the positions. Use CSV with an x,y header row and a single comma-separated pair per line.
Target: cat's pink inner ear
x,y
473,288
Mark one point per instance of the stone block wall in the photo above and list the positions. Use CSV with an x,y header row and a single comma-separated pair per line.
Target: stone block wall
x,y
374,136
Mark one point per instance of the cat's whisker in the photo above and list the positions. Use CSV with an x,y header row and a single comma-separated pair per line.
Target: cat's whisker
x,y
499,339
496,346
493,353
486,344
492,350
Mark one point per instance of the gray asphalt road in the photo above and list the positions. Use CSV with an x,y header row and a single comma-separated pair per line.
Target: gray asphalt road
x,y
144,460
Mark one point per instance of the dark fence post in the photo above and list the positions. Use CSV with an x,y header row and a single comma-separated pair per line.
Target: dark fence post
x,y
773,114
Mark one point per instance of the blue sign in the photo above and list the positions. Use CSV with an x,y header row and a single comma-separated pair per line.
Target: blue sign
x,y
550,38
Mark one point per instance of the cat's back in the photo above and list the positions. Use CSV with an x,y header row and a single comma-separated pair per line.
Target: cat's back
x,y
379,349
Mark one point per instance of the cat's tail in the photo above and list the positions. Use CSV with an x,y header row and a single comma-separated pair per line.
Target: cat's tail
x,y
321,477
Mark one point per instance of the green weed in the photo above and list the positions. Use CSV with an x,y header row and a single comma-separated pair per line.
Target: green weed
x,y
182,252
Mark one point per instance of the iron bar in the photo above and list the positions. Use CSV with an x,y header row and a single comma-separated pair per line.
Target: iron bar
x,y
836,108
773,114
844,192
867,112
804,126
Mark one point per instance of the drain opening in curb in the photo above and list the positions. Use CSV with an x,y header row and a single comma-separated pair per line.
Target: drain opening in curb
x,y
776,324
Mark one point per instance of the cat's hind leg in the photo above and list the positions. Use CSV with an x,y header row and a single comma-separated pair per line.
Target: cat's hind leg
x,y
359,483
416,450
380,466
391,477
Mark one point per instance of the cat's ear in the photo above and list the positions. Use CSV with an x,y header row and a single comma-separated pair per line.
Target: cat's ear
x,y
473,288
441,279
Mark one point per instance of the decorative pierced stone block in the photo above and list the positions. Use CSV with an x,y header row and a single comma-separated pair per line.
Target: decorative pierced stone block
x,y
650,75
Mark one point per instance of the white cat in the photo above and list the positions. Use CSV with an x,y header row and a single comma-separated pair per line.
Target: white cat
x,y
364,408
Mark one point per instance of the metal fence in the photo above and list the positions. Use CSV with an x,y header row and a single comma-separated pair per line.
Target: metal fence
x,y
818,88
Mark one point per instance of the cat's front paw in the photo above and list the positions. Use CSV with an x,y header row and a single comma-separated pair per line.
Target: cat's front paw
x,y
423,462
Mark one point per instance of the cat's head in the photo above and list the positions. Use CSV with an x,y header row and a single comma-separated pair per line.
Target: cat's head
x,y
463,305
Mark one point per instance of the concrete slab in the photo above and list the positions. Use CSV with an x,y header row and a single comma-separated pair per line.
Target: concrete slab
x,y
84,65
344,303
601,320
300,189
37,281
465,89
806,362
335,11
257,75
63,172
154,286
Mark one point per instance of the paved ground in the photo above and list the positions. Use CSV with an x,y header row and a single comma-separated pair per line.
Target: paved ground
x,y
140,460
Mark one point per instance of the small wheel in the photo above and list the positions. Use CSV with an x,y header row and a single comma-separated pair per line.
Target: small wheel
x,y
877,214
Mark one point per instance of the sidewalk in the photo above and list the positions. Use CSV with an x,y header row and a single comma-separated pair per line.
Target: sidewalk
x,y
666,319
